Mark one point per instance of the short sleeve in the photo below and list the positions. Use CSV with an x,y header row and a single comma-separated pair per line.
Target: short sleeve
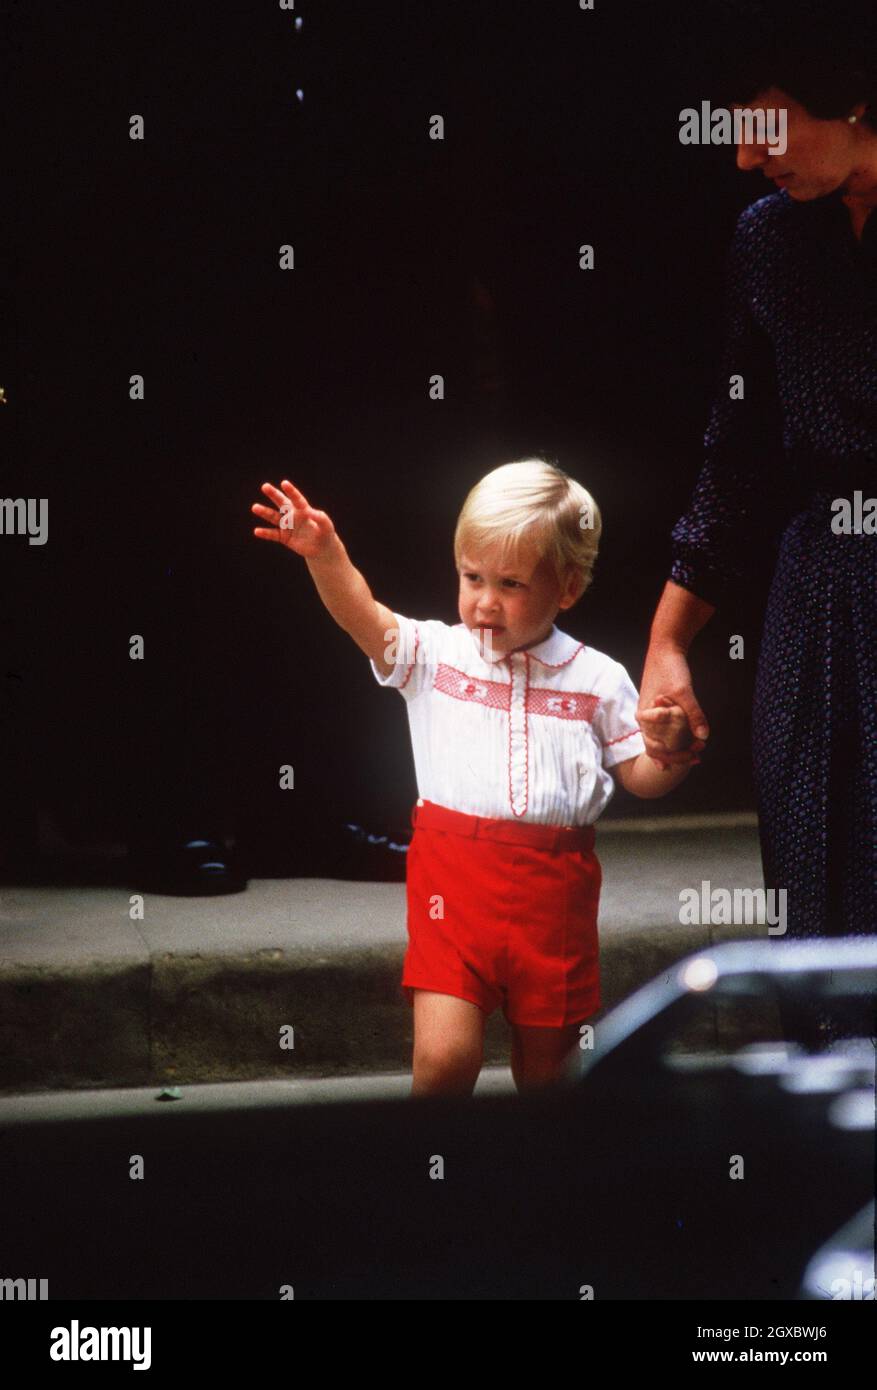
x,y
615,722
729,521
414,656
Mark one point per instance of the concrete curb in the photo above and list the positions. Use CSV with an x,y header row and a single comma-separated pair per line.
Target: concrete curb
x,y
200,989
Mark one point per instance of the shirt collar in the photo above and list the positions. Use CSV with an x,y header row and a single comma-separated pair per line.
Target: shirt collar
x,y
556,650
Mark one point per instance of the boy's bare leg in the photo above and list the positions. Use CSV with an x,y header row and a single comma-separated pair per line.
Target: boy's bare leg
x,y
448,1044
539,1055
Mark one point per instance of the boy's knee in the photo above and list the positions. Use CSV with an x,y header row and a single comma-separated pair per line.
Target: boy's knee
x,y
541,1055
446,1058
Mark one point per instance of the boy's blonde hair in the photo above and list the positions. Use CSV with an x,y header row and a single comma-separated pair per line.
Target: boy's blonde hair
x,y
532,503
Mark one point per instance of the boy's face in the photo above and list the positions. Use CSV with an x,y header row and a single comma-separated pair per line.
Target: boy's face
x,y
517,602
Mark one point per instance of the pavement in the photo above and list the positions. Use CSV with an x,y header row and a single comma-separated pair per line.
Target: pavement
x,y
220,1098
298,978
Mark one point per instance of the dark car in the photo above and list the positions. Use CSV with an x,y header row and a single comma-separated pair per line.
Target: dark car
x,y
666,1170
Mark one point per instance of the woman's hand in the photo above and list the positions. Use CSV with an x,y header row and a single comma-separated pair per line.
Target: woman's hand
x,y
667,681
294,523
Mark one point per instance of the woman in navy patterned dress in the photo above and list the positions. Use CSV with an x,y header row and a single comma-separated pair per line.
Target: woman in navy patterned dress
x,y
802,335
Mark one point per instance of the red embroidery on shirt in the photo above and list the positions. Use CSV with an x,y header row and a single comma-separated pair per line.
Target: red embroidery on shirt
x,y
494,694
621,738
414,662
558,704
562,704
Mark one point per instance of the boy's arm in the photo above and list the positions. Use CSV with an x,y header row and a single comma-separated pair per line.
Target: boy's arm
x,y
349,599
640,776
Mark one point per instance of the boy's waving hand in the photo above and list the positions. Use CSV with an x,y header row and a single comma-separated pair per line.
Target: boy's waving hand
x,y
311,534
295,523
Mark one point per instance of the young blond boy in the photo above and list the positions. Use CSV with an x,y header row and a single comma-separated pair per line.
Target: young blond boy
x,y
519,733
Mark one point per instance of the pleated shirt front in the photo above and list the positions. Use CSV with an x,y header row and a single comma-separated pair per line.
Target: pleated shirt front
x,y
528,737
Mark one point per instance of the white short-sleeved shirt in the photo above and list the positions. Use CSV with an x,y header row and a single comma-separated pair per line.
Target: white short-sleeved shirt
x,y
528,737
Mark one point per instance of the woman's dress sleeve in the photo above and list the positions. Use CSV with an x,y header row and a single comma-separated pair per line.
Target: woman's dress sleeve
x,y
721,540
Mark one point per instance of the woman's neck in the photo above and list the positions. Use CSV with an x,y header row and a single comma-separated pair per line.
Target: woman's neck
x,y
859,212
860,195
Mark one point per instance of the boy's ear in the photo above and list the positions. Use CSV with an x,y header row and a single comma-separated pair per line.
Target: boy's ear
x,y
573,590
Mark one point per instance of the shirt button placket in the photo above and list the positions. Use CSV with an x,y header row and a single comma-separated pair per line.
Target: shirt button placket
x,y
518,732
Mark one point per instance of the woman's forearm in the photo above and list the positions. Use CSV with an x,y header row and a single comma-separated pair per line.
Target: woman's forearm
x,y
678,619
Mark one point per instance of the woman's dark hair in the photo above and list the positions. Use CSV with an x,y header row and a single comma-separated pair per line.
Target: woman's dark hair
x,y
822,52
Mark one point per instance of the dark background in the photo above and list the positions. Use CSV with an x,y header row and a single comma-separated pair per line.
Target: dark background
x,y
412,257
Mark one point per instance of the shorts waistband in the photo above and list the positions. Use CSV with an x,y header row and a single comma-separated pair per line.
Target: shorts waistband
x,y
427,815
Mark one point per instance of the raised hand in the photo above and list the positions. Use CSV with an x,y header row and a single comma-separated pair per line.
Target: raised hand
x,y
294,522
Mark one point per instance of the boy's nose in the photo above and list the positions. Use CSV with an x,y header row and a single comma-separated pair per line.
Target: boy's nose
x,y
489,602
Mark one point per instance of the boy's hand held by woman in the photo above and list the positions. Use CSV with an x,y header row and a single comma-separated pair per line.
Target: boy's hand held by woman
x,y
666,724
666,732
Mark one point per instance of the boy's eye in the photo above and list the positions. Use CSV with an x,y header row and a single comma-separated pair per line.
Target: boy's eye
x,y
516,583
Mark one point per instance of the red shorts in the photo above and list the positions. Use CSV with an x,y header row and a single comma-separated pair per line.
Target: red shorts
x,y
504,914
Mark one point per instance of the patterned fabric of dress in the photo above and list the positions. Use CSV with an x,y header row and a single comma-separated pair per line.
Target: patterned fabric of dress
x,y
802,334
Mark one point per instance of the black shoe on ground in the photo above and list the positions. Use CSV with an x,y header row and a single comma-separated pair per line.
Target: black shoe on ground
x,y
189,868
